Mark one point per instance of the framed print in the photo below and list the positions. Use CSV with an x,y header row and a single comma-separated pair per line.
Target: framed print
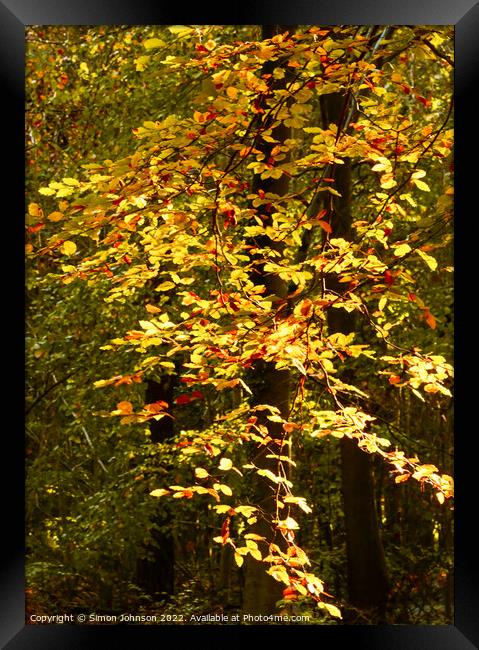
x,y
239,323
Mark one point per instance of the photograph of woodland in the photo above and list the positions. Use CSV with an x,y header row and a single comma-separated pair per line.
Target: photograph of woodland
x,y
239,290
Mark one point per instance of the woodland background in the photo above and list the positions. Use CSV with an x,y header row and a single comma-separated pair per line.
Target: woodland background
x,y
97,539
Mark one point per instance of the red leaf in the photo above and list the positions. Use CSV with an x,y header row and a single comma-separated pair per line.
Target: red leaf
x,y
36,227
423,100
209,449
183,399
225,530
388,277
290,593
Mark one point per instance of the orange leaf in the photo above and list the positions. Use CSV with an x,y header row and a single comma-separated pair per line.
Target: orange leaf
x,y
325,226
429,318
156,407
225,530
36,227
152,309
394,379
125,407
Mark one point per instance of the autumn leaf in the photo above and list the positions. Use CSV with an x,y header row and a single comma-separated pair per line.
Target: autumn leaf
x,y
429,318
388,278
325,226
182,399
331,609
125,407
239,559
34,210
68,248
150,43
55,216
225,464
159,492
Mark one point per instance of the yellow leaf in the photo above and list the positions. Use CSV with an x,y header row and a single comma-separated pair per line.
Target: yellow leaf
x,y
239,559
165,286
419,173
201,473
153,42
68,248
440,497
288,524
34,210
401,250
421,185
300,501
141,62
225,464
159,493
331,609
223,488
247,511
428,259
180,30
55,216
47,191
387,181
222,508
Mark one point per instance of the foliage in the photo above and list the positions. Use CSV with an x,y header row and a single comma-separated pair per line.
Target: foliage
x,y
175,253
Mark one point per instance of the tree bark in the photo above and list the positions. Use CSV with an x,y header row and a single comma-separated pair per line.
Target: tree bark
x,y
156,574
269,386
367,574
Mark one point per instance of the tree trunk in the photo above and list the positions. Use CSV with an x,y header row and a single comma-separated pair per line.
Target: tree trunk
x,y
269,386
155,574
367,575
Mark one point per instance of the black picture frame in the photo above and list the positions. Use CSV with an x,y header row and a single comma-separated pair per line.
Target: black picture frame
x,y
14,16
